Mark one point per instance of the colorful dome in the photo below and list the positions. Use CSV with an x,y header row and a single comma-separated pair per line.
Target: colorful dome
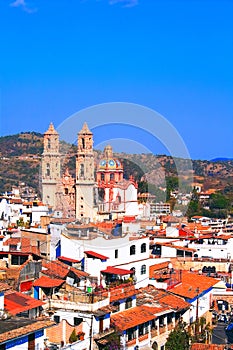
x,y
108,162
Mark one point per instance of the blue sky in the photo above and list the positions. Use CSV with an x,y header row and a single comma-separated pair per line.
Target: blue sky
x,y
172,56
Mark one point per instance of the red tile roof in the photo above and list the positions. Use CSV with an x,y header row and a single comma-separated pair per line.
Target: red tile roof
x,y
4,287
199,346
12,241
158,267
120,292
58,269
131,317
79,273
48,282
64,258
191,282
55,269
96,255
24,329
157,298
16,302
116,271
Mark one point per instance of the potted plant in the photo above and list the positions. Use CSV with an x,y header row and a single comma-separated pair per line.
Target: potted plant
x,y
81,335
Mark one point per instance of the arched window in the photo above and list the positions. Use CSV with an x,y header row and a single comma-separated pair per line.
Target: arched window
x,y
128,303
48,169
132,250
133,270
143,248
66,191
143,269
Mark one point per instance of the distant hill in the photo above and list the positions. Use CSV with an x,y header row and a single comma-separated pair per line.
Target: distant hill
x,y
20,157
221,159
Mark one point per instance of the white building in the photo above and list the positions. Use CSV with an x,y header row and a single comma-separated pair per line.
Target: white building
x,y
101,256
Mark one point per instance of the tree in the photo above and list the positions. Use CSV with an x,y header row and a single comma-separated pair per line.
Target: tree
x,y
178,339
73,337
219,201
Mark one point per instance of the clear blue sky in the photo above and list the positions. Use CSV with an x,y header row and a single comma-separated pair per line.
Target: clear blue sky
x,y
174,56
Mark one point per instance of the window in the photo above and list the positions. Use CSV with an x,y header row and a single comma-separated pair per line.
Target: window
x,y
133,270
143,328
128,303
116,253
66,191
111,176
56,318
143,269
102,176
143,248
131,333
81,173
132,250
77,321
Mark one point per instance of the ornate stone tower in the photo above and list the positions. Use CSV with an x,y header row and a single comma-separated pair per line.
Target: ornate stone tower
x,y
85,178
51,168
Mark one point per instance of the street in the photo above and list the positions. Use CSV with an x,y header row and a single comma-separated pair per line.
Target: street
x,y
219,335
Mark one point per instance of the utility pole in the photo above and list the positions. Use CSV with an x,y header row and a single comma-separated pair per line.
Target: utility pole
x,y
197,316
90,335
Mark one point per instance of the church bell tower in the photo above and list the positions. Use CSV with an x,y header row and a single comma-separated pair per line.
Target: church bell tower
x,y
85,178
51,168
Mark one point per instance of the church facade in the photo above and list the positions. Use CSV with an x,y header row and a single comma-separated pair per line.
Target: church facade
x,y
97,192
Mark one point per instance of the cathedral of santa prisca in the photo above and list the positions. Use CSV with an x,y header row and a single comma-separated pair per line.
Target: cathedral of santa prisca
x,y
98,191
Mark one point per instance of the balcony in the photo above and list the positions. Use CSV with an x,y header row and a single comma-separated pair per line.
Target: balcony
x,y
104,333
143,337
131,342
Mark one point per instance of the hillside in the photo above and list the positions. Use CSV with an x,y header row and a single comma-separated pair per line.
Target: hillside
x,y
20,157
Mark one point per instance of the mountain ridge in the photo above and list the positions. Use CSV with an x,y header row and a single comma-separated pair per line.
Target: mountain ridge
x,y
20,156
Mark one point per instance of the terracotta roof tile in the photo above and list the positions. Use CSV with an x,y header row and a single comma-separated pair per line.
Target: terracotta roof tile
x,y
131,317
122,293
79,273
153,297
64,258
47,282
96,255
4,287
55,269
20,328
116,271
158,267
191,282
199,346
16,302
